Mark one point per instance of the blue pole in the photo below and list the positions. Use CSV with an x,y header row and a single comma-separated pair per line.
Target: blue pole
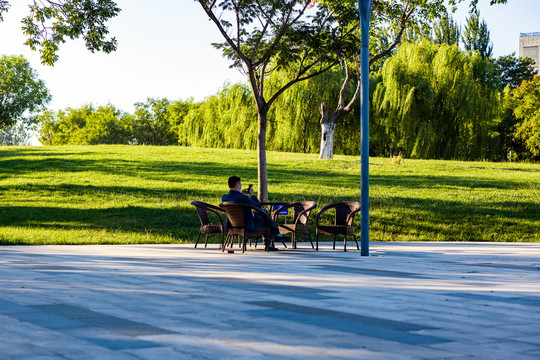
x,y
365,13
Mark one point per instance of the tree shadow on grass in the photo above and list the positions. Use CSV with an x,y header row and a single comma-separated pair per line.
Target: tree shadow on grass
x,y
180,171
393,218
177,224
400,218
174,171
97,192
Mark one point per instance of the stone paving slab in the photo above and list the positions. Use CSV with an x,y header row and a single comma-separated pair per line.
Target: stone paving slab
x,y
405,301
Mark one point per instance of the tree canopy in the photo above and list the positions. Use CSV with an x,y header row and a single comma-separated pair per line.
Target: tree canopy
x,y
526,99
446,30
476,37
437,101
263,36
21,91
50,23
514,70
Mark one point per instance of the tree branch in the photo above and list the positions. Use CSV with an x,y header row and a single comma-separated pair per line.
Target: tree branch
x,y
403,25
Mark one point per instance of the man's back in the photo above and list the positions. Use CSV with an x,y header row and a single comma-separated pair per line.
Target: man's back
x,y
239,198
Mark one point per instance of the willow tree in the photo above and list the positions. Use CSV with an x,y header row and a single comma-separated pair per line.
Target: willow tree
x,y
390,18
389,21
439,102
261,36
219,119
295,116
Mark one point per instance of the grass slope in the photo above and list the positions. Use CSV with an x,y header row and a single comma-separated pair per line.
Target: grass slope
x,y
139,194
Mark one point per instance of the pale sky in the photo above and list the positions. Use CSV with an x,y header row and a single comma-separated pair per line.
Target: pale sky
x,y
164,50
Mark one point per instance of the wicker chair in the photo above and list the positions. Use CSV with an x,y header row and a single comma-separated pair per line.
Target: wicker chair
x,y
207,227
302,210
235,215
343,222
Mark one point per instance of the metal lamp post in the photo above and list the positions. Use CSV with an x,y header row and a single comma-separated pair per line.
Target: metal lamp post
x,y
365,14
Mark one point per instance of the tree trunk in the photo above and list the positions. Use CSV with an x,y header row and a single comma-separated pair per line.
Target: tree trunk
x,y
328,130
327,134
328,125
261,155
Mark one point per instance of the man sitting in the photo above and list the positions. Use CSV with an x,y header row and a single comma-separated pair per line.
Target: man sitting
x,y
252,221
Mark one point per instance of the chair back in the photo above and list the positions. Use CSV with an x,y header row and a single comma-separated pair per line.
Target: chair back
x,y
303,209
202,210
235,214
345,211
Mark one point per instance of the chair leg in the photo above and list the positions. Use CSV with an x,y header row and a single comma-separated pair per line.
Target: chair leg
x,y
317,242
225,243
267,239
345,243
206,241
222,240
334,243
309,235
293,238
357,247
244,245
198,237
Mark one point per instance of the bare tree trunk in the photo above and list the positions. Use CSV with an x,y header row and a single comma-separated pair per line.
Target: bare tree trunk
x,y
327,134
261,156
328,130
329,124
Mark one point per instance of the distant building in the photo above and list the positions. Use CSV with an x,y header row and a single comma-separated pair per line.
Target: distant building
x,y
529,46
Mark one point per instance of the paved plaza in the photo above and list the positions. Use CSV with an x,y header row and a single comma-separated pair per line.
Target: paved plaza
x,y
405,301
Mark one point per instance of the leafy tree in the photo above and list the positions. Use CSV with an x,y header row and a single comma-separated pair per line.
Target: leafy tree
x,y
261,36
21,92
178,111
446,30
64,127
438,102
245,41
512,72
50,23
156,122
152,123
107,125
17,134
86,126
4,7
391,21
225,120
48,127
295,116
526,101
476,36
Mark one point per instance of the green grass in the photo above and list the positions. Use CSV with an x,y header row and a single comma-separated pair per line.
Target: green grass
x,y
139,194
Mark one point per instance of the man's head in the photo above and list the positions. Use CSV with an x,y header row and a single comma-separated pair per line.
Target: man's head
x,y
234,183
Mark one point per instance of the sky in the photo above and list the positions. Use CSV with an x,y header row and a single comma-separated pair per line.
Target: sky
x,y
164,50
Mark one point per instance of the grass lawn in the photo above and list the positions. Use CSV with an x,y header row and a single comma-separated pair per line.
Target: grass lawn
x,y
141,194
